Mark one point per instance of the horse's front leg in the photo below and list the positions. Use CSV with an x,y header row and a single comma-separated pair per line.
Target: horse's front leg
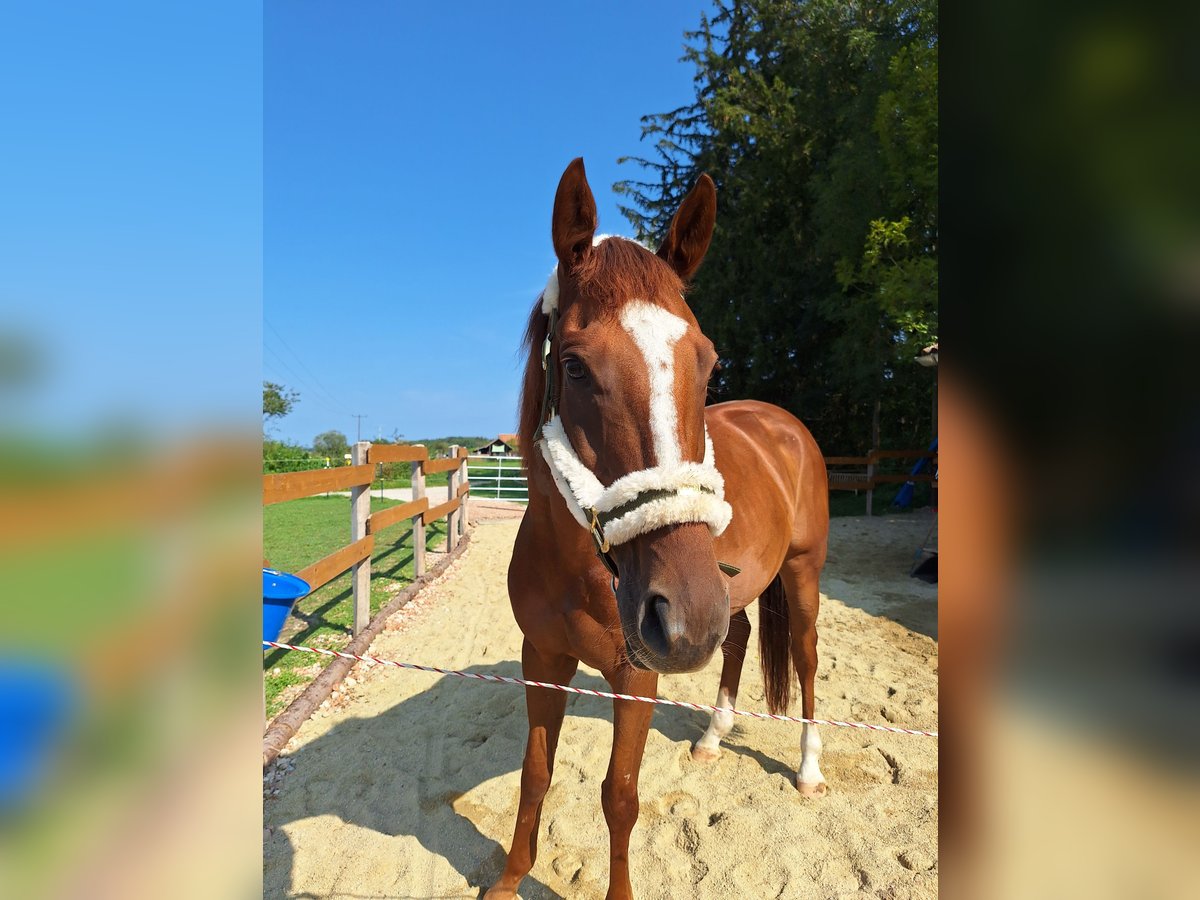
x,y
619,796
545,709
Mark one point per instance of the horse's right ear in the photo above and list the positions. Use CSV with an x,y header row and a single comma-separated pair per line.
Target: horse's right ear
x,y
691,230
574,220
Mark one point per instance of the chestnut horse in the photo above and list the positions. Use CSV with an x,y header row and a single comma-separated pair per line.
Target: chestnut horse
x,y
636,491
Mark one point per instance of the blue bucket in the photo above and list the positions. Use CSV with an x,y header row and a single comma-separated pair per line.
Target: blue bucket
x,y
37,704
280,592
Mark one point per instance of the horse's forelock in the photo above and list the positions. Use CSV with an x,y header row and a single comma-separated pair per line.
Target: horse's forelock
x,y
616,272
619,270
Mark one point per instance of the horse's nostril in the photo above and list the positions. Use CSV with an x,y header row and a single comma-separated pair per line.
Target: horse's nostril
x,y
659,632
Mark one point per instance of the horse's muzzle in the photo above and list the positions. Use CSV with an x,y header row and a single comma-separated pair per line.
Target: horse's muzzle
x,y
672,598
665,638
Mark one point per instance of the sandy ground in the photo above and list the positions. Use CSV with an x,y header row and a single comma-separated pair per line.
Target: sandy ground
x,y
406,784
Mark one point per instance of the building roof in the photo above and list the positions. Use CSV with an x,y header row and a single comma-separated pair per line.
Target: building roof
x,y
508,439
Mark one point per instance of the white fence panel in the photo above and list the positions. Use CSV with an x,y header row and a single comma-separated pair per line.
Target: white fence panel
x,y
497,478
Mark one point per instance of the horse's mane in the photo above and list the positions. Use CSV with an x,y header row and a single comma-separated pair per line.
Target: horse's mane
x,y
616,267
534,383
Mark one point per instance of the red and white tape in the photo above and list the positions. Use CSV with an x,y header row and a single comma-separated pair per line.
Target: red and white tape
x,y
504,679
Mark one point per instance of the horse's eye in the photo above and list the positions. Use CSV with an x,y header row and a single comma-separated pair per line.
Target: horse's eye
x,y
574,368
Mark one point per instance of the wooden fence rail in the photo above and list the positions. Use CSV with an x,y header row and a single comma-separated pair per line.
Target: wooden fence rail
x,y
293,485
364,525
865,476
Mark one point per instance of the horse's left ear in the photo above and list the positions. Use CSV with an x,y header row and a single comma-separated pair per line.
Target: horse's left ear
x,y
691,230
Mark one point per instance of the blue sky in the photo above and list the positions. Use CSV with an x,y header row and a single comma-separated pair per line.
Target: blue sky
x,y
131,218
411,153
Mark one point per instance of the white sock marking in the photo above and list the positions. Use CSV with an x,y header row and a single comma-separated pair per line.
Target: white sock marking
x,y
721,723
810,755
656,332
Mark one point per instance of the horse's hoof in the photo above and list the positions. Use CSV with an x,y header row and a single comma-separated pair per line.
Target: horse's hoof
x,y
704,755
811,788
499,893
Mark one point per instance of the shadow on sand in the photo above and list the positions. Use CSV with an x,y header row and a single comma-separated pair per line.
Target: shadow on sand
x,y
427,752
868,568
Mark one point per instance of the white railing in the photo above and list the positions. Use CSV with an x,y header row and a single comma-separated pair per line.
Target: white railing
x,y
497,478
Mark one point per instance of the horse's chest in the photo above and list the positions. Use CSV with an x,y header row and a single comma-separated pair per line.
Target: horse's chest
x,y
582,626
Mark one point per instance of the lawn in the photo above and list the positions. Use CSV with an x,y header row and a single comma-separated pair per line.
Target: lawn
x,y
848,503
437,478
300,532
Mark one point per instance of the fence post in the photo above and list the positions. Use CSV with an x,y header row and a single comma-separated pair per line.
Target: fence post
x,y
418,493
451,491
464,479
871,458
360,511
870,483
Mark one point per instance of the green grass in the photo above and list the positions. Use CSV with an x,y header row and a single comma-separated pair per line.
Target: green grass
x,y
76,589
437,478
847,503
297,534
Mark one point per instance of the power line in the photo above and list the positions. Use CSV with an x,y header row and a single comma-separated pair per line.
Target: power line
x,y
296,378
317,397
316,381
304,383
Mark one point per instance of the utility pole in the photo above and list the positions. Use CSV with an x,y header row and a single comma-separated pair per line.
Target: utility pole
x,y
360,417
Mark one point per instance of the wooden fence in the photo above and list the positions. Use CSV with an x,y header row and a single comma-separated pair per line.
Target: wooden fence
x,y
862,473
364,525
848,473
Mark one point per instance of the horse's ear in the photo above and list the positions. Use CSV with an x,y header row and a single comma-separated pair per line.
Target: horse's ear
x,y
574,220
691,230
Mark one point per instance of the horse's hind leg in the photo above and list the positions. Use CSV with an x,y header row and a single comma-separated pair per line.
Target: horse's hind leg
x,y
801,583
708,748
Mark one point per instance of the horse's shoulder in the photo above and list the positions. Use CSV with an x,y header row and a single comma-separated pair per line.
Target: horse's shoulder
x,y
753,418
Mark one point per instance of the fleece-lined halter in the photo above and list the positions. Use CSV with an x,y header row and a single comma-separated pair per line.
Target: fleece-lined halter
x,y
670,493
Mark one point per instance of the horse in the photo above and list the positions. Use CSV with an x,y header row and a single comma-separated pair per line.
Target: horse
x,y
642,503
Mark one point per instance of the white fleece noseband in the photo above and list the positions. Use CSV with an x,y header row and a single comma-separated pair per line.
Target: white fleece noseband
x,y
696,491
671,492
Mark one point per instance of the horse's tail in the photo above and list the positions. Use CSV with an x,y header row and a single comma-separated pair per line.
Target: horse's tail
x,y
775,647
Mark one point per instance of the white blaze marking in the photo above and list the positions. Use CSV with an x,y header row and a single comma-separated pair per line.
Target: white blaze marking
x,y
656,332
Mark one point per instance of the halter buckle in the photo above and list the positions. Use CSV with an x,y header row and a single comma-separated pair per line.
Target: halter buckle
x,y
597,530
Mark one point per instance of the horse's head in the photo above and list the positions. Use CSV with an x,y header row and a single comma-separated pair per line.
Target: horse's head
x,y
628,370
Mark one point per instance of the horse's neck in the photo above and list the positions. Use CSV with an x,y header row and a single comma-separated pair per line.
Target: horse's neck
x,y
549,509
545,501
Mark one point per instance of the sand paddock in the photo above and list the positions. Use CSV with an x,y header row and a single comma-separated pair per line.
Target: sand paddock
x,y
406,784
